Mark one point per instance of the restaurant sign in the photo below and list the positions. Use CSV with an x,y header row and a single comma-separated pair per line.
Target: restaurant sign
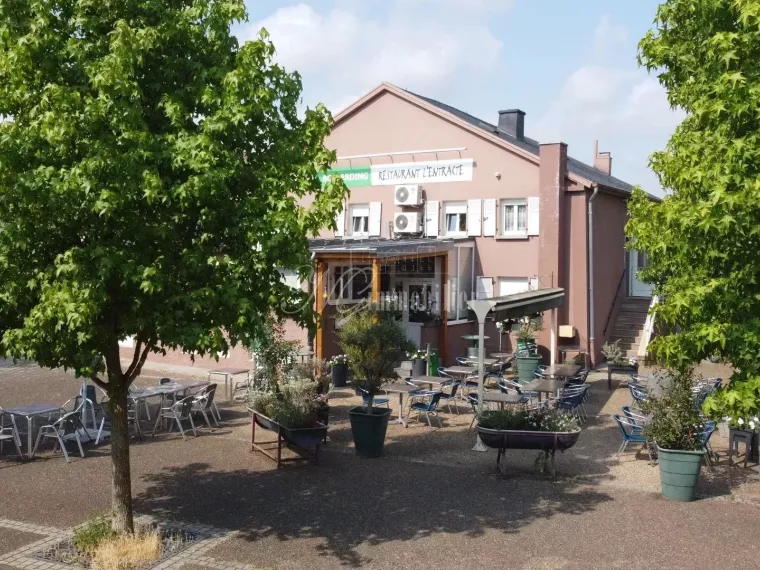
x,y
456,170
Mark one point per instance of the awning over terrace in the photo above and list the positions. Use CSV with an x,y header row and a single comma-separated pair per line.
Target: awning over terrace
x,y
514,307
381,248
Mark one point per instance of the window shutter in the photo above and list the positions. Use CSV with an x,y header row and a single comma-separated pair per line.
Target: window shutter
x,y
473,218
485,287
375,209
340,222
533,216
431,218
489,218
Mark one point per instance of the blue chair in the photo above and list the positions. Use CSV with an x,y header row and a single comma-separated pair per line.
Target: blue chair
x,y
509,387
470,383
428,408
448,397
631,434
463,361
634,417
706,435
473,401
638,394
413,396
571,401
375,401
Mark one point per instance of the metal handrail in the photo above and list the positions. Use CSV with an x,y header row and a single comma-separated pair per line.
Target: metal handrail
x,y
615,300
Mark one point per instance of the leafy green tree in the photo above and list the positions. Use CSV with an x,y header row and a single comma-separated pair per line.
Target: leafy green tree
x,y
150,176
703,240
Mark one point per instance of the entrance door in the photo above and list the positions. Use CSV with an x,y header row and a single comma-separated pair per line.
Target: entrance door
x,y
638,261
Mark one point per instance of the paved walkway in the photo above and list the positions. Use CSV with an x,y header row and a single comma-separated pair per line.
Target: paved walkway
x,y
430,503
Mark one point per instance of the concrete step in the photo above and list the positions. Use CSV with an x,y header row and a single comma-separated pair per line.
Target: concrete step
x,y
628,338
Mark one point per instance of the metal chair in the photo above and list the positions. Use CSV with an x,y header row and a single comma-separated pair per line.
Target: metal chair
x,y
473,401
177,413
203,403
63,430
631,434
470,383
638,394
8,430
571,401
448,397
428,408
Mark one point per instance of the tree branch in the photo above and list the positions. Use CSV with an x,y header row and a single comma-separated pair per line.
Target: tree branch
x,y
98,382
136,357
132,373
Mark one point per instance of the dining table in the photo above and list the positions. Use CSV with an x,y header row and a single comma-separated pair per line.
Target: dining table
x,y
562,370
500,355
31,411
502,399
399,389
543,386
137,394
228,374
432,381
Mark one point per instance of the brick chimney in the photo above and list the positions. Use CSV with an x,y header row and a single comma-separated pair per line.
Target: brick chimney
x,y
512,122
602,160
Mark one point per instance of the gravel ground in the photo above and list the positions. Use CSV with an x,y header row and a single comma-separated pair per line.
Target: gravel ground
x,y
431,502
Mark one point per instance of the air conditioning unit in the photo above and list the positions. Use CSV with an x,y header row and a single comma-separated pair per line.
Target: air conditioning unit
x,y
408,195
407,223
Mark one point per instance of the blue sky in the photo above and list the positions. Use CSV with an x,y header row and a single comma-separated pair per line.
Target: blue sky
x,y
570,65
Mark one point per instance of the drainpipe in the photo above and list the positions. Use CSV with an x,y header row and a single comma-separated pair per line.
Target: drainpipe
x,y
311,288
591,332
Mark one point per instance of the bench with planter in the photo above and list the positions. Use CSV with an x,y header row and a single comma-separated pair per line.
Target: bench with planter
x,y
303,441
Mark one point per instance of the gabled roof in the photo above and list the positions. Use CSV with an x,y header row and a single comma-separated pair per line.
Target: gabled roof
x,y
577,170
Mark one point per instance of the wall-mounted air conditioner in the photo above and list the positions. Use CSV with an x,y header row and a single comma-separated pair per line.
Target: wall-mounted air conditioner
x,y
407,223
407,195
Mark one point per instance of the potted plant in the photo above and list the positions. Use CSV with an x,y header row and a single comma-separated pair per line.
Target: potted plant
x,y
339,370
374,342
419,362
527,355
543,429
676,427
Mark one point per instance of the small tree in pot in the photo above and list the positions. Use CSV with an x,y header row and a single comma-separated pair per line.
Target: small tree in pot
x,y
677,428
374,342
527,355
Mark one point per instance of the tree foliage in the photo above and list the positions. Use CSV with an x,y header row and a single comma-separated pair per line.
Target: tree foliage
x,y
374,341
703,240
150,176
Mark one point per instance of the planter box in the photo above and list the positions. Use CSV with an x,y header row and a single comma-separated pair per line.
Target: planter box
x,y
419,367
547,441
679,473
368,430
339,375
526,366
304,441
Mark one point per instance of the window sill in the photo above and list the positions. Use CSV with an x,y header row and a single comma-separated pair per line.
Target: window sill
x,y
459,322
512,237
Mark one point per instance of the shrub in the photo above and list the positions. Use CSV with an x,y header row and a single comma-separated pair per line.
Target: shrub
x,y
294,404
676,423
537,420
93,532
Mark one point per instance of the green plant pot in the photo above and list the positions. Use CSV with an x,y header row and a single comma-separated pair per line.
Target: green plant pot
x,y
679,473
526,366
369,430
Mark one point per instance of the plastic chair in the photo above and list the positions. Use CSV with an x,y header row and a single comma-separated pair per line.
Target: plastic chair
x,y
631,434
177,413
203,403
428,408
448,397
63,430
8,430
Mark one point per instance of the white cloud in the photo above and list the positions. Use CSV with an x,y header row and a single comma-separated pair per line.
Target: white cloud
x,y
341,52
619,104
608,35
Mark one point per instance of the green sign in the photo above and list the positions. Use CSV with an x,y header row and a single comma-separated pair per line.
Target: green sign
x,y
353,177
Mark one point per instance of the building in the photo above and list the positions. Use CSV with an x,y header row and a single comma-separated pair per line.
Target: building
x,y
445,207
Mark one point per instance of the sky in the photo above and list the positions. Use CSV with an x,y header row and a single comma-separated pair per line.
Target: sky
x,y
570,65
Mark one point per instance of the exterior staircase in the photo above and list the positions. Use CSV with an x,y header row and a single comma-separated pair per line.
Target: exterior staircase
x,y
629,326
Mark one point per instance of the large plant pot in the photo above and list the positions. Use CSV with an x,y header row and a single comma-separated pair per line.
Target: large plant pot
x,y
679,473
369,430
526,366
526,345
339,375
419,367
519,439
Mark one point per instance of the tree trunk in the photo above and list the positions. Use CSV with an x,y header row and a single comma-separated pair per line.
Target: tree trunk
x,y
121,486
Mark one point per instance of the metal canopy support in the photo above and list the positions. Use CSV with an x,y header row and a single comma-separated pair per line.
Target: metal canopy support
x,y
481,310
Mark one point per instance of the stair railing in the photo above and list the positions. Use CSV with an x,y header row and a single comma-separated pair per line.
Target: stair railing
x,y
646,334
614,301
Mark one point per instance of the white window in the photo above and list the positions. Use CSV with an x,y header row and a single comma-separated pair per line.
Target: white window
x,y
360,220
291,278
514,217
455,218
513,285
